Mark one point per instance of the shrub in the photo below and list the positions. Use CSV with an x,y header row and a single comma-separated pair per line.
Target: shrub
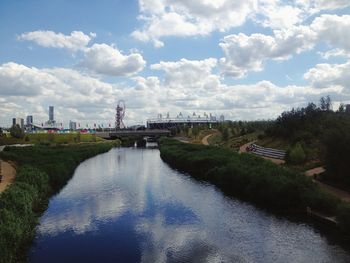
x,y
16,132
296,155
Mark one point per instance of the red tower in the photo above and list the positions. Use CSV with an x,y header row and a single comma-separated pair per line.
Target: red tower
x,y
119,115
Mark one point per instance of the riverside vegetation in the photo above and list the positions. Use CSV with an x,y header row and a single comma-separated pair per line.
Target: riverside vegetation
x,y
254,179
42,171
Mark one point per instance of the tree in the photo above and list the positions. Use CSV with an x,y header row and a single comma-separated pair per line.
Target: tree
x,y
325,103
195,131
296,155
225,134
16,132
341,108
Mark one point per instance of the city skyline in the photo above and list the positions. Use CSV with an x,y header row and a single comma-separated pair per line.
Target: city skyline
x,y
248,60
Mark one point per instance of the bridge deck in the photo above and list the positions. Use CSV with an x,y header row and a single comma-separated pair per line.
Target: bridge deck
x,y
123,133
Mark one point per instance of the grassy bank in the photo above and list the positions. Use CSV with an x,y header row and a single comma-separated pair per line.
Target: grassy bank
x,y
253,179
51,138
41,172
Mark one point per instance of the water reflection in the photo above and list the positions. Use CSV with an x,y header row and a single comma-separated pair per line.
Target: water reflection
x,y
128,206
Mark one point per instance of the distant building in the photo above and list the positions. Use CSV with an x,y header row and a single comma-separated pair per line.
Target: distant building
x,y
72,125
347,108
29,120
222,118
51,114
19,121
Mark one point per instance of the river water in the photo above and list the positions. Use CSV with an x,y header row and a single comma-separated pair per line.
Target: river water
x,y
127,205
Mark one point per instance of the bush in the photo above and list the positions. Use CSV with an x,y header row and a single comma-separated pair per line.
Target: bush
x,y
245,175
16,132
296,155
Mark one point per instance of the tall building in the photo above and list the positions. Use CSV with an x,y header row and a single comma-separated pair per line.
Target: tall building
x,y
18,121
347,108
51,114
72,125
29,120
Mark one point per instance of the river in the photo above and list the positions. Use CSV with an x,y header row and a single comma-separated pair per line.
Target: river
x,y
127,205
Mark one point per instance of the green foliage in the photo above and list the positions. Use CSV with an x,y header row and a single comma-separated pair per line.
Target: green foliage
x,y
343,217
296,154
249,177
64,138
337,144
42,171
195,131
16,132
325,103
225,134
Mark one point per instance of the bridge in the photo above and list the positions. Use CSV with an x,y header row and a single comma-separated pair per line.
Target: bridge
x,y
167,123
133,133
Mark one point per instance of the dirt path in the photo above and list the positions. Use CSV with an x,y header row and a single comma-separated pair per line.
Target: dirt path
x,y
341,194
205,139
314,171
243,148
8,172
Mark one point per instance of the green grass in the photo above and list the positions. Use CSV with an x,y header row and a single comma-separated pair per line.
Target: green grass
x,y
51,138
215,139
42,171
253,179
64,138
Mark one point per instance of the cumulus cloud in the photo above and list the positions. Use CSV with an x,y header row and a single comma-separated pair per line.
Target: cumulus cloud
x,y
325,75
77,40
319,5
108,60
194,74
245,53
198,18
20,80
189,18
186,86
334,30
75,95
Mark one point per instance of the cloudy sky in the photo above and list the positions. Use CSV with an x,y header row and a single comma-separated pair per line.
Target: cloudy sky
x,y
246,59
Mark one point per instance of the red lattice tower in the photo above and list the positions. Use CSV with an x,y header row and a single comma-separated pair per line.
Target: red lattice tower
x,y
119,115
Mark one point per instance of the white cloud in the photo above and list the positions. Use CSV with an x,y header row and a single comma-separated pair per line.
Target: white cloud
x,y
248,53
194,74
320,5
198,18
19,80
108,60
187,86
325,75
189,18
245,53
75,95
77,40
334,30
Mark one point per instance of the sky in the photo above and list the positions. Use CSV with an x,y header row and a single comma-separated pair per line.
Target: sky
x,y
245,59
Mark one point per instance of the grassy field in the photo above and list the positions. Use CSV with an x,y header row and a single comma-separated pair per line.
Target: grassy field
x,y
51,138
42,171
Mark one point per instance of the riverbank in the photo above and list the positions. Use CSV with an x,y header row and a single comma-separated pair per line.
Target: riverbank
x,y
42,171
254,179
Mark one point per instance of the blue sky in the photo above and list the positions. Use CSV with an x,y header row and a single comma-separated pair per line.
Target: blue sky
x,y
247,59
